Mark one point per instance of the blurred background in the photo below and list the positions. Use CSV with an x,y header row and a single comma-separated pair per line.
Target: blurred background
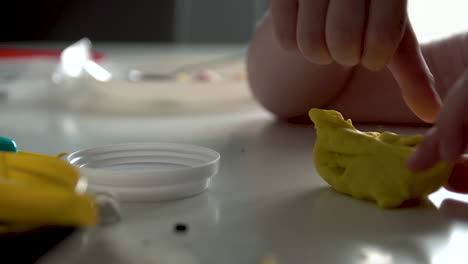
x,y
191,21
188,21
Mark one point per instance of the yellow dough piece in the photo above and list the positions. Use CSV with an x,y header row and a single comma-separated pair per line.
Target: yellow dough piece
x,y
370,165
39,190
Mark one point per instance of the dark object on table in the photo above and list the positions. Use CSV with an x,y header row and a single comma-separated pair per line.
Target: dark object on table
x,y
31,246
180,228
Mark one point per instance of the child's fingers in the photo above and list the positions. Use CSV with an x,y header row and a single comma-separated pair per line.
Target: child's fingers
x,y
311,31
449,138
458,181
453,119
385,28
344,30
414,77
284,13
427,154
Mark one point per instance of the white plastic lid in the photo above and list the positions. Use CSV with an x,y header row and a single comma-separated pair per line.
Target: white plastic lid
x,y
147,171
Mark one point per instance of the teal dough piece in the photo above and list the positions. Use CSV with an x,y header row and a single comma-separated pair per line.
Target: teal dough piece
x,y
7,145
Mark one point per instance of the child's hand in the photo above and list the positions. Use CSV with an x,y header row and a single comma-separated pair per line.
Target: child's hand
x,y
373,33
448,139
348,32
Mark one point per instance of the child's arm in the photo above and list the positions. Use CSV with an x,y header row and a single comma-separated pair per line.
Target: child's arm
x,y
288,84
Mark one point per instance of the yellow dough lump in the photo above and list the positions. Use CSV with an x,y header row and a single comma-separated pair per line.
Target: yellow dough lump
x,y
370,165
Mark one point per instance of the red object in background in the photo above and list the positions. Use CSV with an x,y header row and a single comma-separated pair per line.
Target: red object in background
x,y
28,53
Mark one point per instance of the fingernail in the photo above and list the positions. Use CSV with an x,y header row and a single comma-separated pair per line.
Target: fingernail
x,y
458,180
429,112
320,59
375,63
348,62
431,108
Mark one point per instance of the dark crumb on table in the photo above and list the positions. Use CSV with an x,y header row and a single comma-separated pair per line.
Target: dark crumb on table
x,y
243,150
180,228
146,243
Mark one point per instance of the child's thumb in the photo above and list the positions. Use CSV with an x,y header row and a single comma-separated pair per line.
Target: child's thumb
x,y
414,77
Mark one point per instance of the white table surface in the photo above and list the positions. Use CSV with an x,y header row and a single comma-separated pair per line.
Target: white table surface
x,y
267,199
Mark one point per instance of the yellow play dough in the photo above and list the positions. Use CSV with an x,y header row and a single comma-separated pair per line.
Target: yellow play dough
x,y
370,165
